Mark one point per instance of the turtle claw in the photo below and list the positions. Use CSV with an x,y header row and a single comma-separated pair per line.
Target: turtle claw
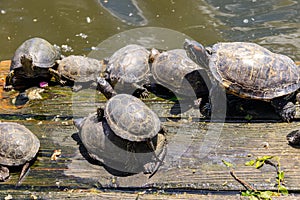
x,y
205,109
144,94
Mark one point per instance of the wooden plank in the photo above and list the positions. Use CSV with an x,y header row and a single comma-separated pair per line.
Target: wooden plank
x,y
196,148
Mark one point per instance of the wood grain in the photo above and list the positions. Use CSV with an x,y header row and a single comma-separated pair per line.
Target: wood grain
x,y
193,167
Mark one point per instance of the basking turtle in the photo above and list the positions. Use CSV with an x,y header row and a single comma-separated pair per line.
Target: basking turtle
x,y
129,66
125,136
30,64
18,146
177,72
250,71
77,71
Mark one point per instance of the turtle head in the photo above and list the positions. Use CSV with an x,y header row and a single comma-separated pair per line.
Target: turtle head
x,y
154,53
78,122
27,64
197,52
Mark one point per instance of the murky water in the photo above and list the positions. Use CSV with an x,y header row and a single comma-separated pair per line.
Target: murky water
x,y
81,25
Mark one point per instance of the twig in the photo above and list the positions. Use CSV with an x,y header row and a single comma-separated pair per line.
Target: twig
x,y
244,183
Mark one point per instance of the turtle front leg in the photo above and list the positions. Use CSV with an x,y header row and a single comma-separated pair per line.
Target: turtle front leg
x,y
285,108
4,173
159,154
8,80
57,76
105,88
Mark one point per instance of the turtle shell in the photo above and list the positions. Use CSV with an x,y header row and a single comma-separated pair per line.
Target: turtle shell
x,y
129,64
17,144
252,71
174,70
130,118
105,146
80,68
43,53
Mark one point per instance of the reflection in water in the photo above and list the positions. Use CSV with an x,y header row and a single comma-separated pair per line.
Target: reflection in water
x,y
126,10
82,25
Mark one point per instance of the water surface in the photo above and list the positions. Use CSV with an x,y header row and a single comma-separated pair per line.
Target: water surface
x,y
81,25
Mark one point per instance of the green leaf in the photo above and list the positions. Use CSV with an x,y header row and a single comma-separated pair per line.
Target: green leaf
x,y
259,164
248,117
246,194
253,198
280,176
283,190
264,158
250,163
228,164
267,194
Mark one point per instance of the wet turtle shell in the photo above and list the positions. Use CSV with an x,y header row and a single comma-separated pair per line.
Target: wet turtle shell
x,y
40,51
176,71
129,64
115,152
130,118
79,68
18,145
249,70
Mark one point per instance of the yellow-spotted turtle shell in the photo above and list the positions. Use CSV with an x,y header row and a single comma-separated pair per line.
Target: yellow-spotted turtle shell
x,y
252,71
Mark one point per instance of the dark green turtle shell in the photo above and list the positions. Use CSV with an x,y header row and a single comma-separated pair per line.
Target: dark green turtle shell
x,y
43,54
130,118
80,68
252,71
171,69
18,145
129,64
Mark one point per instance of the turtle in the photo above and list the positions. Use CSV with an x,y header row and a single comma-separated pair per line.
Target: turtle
x,y
30,64
126,135
174,70
18,146
128,66
250,71
78,70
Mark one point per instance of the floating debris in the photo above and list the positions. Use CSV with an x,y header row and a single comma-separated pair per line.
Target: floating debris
x,y
82,35
56,153
88,20
66,48
3,12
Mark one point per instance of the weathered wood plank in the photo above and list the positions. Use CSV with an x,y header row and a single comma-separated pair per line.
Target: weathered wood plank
x,y
196,149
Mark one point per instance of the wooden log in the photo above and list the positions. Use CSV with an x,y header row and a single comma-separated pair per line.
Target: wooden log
x,y
196,148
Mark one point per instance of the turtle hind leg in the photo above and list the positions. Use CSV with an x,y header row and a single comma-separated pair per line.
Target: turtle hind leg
x,y
77,87
24,171
4,173
285,108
